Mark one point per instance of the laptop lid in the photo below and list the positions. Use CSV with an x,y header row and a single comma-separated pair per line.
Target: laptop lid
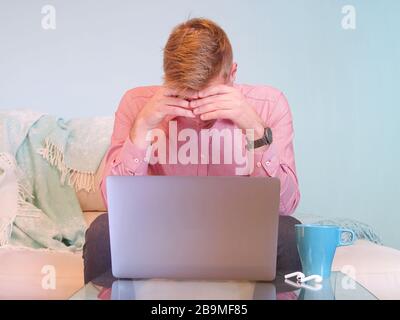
x,y
215,228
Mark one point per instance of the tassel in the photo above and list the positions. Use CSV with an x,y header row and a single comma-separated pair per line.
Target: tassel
x,y
77,179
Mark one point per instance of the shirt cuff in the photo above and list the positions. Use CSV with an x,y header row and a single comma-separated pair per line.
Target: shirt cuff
x,y
133,158
266,161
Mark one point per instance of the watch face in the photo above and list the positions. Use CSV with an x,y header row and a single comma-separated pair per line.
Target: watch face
x,y
265,140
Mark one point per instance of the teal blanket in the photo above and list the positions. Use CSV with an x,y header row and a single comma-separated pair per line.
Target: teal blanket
x,y
49,160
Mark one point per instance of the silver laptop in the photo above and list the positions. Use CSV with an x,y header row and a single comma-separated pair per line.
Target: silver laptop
x,y
206,228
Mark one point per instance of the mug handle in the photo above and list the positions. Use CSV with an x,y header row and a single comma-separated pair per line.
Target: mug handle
x,y
346,243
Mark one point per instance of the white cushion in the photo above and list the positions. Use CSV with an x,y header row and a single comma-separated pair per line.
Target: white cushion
x,y
17,281
375,267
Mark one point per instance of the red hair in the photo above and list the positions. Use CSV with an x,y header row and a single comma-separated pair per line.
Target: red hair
x,y
197,51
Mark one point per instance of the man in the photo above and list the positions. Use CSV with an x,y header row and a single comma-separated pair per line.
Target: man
x,y
199,94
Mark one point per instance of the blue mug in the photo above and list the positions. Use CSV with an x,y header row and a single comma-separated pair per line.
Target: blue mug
x,y
317,246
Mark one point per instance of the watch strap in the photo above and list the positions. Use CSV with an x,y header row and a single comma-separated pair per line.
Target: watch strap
x,y
265,140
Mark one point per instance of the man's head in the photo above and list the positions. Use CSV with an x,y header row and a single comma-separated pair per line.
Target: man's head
x,y
198,54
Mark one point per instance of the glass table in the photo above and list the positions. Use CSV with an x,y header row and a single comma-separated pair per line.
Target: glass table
x,y
338,287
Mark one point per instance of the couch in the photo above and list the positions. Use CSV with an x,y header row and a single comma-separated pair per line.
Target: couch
x,y
24,272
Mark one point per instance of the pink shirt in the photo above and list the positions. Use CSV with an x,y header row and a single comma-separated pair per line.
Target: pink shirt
x,y
277,160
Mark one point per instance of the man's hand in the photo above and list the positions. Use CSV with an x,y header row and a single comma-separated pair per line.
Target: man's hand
x,y
162,105
225,102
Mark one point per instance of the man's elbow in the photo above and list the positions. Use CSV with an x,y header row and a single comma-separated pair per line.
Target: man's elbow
x,y
288,208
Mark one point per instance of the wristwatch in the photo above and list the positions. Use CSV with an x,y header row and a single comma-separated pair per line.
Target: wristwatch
x,y
264,141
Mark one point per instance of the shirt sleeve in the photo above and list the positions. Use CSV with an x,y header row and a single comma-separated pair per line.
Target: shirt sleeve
x,y
277,160
130,160
123,157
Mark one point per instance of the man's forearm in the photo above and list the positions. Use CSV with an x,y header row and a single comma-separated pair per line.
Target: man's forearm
x,y
139,135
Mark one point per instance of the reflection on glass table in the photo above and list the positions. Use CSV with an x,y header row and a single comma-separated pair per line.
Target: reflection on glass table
x,y
338,287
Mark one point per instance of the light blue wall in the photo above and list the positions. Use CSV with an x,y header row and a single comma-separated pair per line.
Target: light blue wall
x,y
343,85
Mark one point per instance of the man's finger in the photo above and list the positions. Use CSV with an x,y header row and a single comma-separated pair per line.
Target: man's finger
x,y
215,90
207,100
170,101
217,114
210,107
177,111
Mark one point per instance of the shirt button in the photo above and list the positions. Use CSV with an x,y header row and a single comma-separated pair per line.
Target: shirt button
x,y
258,164
131,172
136,160
267,163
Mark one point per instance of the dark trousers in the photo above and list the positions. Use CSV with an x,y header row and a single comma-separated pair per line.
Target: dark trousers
x,y
97,256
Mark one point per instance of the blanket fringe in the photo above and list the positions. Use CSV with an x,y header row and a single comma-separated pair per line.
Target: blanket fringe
x,y
79,180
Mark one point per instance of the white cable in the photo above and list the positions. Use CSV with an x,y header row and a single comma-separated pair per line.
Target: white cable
x,y
315,277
